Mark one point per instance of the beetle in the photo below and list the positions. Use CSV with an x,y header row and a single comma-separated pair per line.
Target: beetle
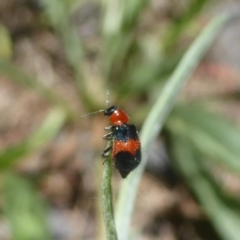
x,y
126,146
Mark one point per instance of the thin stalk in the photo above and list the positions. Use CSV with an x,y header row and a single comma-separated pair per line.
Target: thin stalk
x,y
107,200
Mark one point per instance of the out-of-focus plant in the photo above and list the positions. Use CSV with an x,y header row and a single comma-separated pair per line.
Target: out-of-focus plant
x,y
25,209
50,127
5,43
199,141
158,114
135,63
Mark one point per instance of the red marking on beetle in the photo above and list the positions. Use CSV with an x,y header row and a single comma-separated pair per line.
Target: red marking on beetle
x,y
130,146
118,117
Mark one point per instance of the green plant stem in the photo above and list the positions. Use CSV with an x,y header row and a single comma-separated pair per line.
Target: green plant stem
x,y
107,200
158,115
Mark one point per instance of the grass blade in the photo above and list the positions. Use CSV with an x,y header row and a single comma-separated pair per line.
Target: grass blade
x,y
212,135
158,115
58,14
6,48
50,127
220,209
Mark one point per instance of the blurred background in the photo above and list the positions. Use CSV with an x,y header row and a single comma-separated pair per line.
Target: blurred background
x,y
57,59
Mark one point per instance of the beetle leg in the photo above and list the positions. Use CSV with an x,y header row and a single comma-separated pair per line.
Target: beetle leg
x,y
108,128
108,136
106,151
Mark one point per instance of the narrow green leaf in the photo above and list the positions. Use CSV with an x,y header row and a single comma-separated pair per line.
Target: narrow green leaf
x,y
120,18
50,127
157,116
180,23
5,43
212,135
58,14
224,215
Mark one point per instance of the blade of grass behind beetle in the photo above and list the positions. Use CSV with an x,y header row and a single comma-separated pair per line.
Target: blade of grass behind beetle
x,y
159,113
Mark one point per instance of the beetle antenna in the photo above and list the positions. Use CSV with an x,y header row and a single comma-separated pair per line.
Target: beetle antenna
x,y
92,113
107,97
101,110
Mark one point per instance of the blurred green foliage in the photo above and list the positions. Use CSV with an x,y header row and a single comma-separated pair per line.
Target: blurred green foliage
x,y
158,115
5,43
50,127
133,62
24,208
198,140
